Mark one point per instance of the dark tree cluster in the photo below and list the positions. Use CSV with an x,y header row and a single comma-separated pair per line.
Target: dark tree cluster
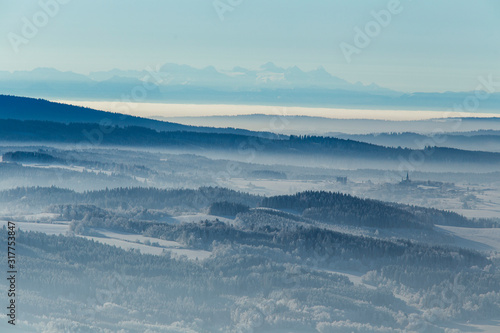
x,y
224,208
342,208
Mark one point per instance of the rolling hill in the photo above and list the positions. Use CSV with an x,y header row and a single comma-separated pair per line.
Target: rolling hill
x,y
23,108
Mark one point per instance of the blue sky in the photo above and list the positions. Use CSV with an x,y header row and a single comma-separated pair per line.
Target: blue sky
x,y
428,45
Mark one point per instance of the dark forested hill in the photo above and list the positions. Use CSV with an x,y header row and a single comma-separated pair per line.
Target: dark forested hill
x,y
147,198
22,108
341,208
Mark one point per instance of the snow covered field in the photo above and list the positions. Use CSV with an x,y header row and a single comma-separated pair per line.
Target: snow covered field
x,y
482,239
200,217
67,167
146,245
47,228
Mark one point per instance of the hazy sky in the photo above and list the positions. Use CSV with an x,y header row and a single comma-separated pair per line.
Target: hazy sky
x,y
428,45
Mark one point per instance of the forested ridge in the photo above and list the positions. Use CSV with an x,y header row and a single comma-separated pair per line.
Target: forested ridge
x,y
32,109
329,207
135,136
346,209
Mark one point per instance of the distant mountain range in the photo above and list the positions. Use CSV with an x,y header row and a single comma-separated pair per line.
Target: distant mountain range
x,y
267,85
268,76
